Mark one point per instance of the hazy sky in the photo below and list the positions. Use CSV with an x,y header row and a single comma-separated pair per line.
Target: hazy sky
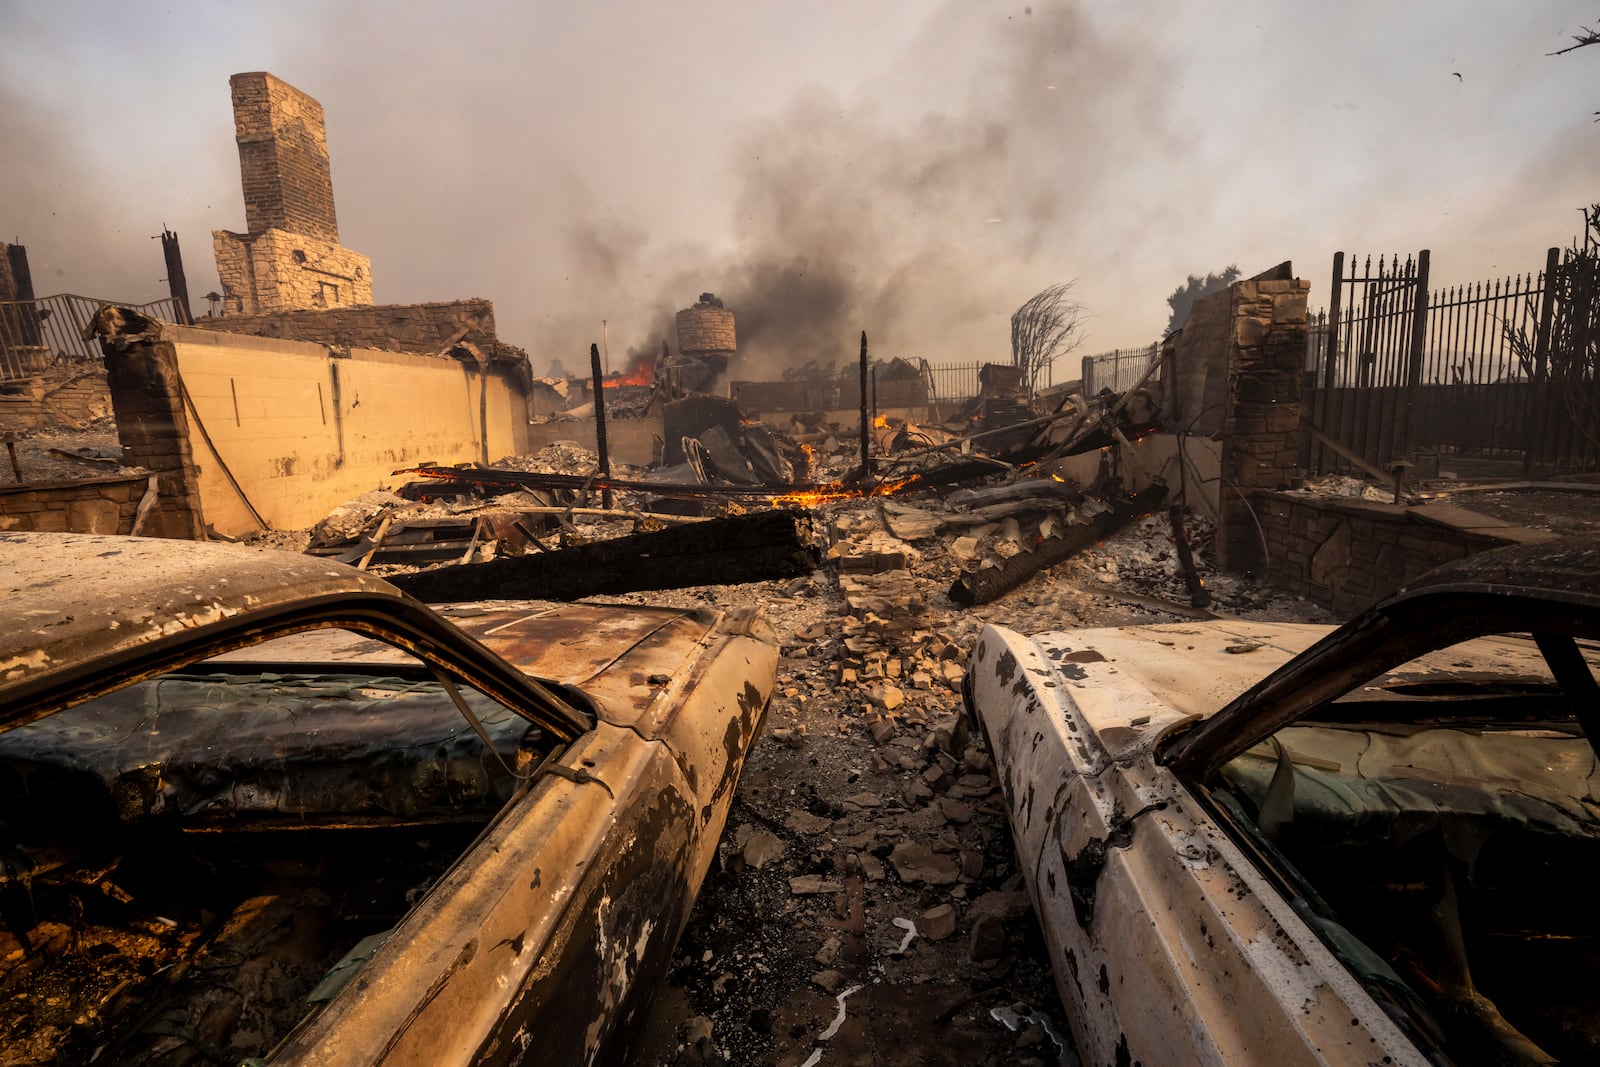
x,y
911,169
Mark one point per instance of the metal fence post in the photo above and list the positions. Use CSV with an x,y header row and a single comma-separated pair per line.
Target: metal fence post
x,y
1539,391
1419,324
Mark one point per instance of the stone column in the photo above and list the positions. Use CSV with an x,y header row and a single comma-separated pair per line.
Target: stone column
x,y
1261,416
147,396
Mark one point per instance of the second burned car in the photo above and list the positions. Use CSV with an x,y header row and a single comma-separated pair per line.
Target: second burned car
x,y
1255,843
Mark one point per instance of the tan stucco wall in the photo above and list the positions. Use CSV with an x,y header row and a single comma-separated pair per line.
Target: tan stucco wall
x,y
303,430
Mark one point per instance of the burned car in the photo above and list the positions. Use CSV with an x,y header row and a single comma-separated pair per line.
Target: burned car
x,y
1276,844
261,807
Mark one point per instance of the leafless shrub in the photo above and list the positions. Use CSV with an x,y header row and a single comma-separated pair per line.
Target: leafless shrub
x,y
1046,327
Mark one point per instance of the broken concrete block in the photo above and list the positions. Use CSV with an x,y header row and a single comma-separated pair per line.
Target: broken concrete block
x,y
887,697
987,940
806,885
784,735
829,951
829,981
762,848
936,778
955,810
871,867
803,822
937,923
920,865
971,864
1006,905
882,730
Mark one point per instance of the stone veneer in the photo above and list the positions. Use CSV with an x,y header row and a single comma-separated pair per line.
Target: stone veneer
x,y
1346,554
94,505
1235,371
274,271
422,328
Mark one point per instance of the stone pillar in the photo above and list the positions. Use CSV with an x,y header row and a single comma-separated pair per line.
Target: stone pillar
x,y
1266,356
153,426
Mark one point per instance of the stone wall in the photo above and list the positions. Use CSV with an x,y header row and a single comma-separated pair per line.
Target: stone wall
x,y
1234,372
276,271
96,505
1346,554
429,329
707,327
283,158
59,398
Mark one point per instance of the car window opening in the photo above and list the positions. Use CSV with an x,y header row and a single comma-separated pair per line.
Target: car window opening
x,y
228,843
1440,831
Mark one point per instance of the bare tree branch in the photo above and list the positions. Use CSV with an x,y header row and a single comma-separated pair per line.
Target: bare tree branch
x,y
1046,327
1584,39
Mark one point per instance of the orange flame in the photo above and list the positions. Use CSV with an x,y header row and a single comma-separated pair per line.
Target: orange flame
x,y
836,491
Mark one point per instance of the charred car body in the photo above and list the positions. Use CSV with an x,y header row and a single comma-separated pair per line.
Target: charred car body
x,y
1382,851
261,805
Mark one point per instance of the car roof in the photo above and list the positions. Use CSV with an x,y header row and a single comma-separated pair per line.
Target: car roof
x,y
1563,569
75,597
1521,588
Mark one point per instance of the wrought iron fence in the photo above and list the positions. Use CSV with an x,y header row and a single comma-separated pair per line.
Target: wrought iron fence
x,y
1120,369
1398,371
953,381
38,334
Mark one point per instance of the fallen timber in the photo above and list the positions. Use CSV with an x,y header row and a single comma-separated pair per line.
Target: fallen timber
x,y
982,586
761,545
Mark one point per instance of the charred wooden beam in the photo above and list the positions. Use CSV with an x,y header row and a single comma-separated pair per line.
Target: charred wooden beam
x,y
982,586
739,548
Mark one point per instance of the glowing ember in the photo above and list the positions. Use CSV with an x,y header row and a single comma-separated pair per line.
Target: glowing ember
x,y
834,491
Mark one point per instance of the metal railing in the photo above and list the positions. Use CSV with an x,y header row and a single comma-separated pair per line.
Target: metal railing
x,y
48,331
953,381
1397,369
1119,369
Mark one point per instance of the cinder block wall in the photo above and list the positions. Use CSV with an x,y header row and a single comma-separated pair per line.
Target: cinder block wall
x,y
302,428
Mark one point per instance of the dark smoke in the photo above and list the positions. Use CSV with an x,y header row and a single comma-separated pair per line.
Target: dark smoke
x,y
850,218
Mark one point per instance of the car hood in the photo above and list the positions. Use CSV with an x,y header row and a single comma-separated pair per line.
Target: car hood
x,y
1131,684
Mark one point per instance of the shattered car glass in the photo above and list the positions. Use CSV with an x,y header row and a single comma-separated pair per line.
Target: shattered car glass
x,y
259,807
1254,842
